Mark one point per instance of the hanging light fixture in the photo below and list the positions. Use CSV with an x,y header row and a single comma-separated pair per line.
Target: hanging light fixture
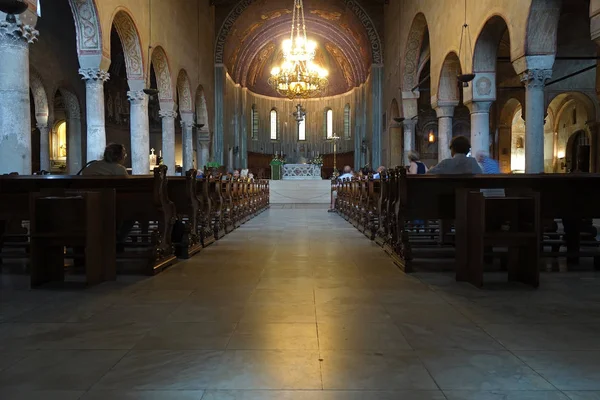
x,y
465,39
12,8
299,76
299,114
150,91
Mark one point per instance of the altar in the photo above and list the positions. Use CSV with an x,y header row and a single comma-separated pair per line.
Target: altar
x,y
301,172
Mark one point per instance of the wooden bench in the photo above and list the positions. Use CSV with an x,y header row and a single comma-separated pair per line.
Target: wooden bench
x,y
403,197
138,198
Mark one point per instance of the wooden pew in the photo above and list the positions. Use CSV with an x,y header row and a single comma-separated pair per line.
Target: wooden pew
x,y
405,197
138,198
183,193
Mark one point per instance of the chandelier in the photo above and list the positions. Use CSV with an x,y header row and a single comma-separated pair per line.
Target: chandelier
x,y
299,76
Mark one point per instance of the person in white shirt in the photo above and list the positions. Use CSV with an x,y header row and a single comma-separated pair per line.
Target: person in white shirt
x,y
347,175
459,163
380,170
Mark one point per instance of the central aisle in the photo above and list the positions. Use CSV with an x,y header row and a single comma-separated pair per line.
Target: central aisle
x,y
294,305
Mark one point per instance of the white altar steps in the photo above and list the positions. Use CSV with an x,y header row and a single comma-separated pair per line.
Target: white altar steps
x,y
300,192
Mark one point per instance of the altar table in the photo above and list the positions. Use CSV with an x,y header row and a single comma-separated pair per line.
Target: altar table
x,y
301,172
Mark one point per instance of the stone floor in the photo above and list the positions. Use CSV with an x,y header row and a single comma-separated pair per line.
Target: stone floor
x,y
298,305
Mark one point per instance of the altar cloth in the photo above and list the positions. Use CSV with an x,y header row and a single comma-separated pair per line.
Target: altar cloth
x,y
301,172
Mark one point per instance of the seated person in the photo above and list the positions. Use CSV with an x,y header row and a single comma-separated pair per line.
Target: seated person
x,y
459,163
111,164
416,166
488,165
347,175
380,170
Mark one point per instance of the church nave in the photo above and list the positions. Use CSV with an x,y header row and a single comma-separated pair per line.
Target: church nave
x,y
296,304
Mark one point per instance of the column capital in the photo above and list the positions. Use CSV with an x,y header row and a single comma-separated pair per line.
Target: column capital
x,y
136,96
94,74
167,114
17,33
410,124
535,78
445,111
479,107
43,125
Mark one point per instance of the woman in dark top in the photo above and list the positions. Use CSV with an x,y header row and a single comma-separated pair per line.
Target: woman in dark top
x,y
416,166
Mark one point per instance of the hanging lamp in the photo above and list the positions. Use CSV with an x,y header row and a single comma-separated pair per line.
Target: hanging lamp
x,y
465,39
12,8
150,91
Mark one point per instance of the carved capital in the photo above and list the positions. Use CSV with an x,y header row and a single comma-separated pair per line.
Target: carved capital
x,y
186,124
479,107
445,112
43,126
17,34
167,114
535,78
94,74
136,96
410,124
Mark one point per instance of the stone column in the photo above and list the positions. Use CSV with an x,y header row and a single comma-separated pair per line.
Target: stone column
x,y
140,133
74,162
445,116
187,126
377,112
94,105
535,109
15,117
168,139
203,156
480,126
410,127
44,146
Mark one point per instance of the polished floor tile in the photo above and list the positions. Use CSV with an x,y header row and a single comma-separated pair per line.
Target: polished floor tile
x,y
298,305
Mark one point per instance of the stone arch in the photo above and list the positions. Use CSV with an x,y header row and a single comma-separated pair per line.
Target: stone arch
x,y
412,53
40,98
395,140
160,62
72,106
448,88
184,92
353,5
87,27
202,109
485,53
505,134
132,44
542,27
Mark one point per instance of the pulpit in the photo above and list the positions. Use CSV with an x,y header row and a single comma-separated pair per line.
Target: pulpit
x,y
301,172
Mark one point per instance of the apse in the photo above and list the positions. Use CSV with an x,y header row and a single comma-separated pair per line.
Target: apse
x,y
254,44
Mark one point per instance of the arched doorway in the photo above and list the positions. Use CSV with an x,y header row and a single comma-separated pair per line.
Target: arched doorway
x,y
579,152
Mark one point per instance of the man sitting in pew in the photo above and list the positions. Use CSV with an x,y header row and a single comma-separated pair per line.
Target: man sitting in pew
x,y
459,163
111,164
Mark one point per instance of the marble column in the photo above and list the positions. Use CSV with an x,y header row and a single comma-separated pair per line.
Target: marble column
x,y
140,133
445,116
377,78
15,117
203,156
535,109
74,161
187,127
410,127
44,146
94,104
480,126
168,139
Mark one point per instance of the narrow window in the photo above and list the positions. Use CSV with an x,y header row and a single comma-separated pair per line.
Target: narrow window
x,y
302,129
254,122
347,122
273,124
329,117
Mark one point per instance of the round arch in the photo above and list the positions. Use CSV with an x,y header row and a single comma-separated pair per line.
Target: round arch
x,y
131,42
184,92
412,54
542,27
229,24
448,92
160,62
87,27
485,52
40,98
